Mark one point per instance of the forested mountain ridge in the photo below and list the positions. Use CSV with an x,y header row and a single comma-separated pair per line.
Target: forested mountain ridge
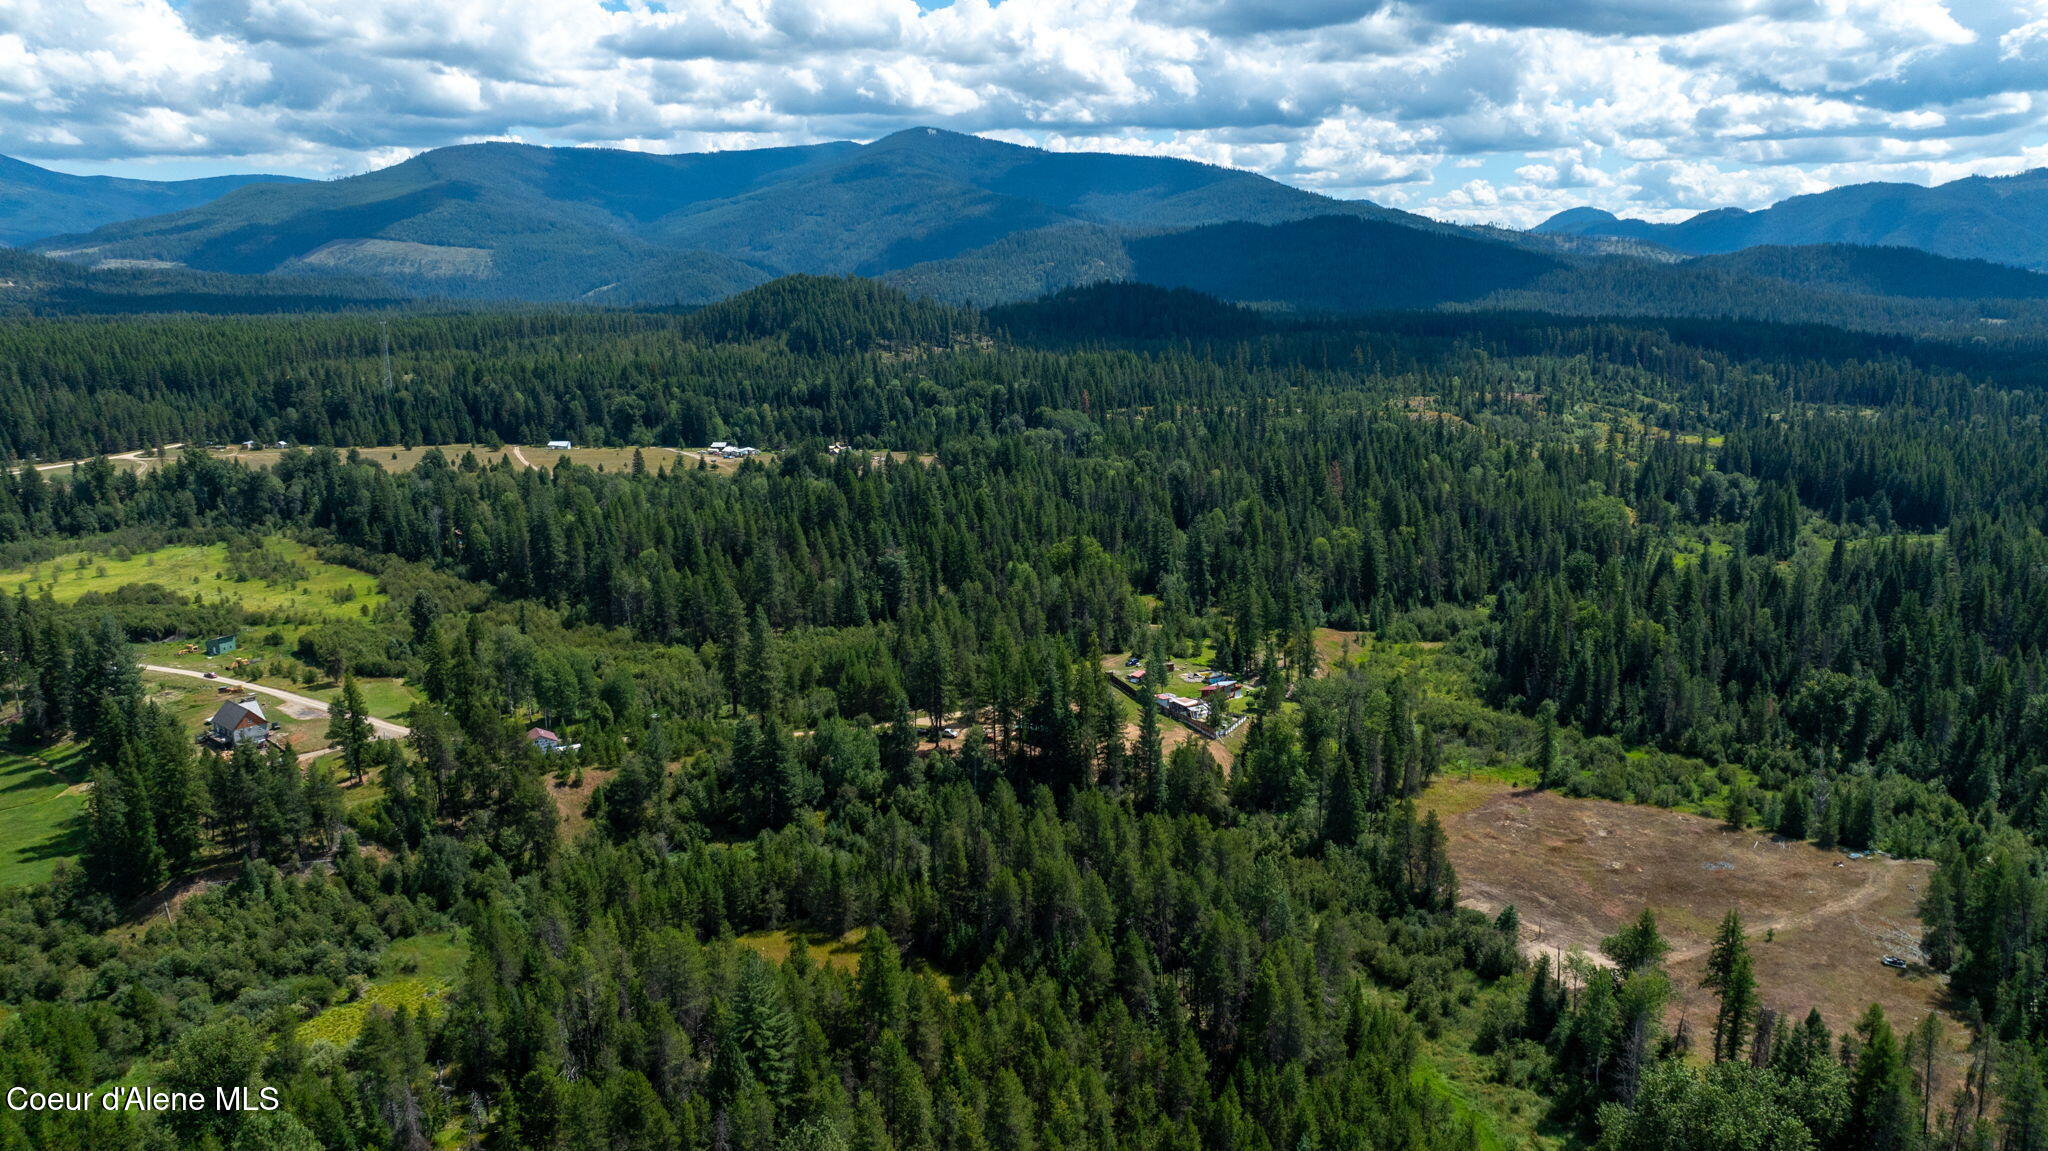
x,y
32,284
36,202
975,221
2003,219
1323,263
506,220
1845,285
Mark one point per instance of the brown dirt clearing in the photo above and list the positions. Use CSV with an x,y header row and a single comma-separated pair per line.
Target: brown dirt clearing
x,y
1577,869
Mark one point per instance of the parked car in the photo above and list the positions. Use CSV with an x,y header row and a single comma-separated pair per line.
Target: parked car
x,y
211,675
1894,961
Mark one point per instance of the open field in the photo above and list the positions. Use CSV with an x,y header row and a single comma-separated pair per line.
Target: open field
x,y
404,459
42,814
399,458
1576,869
290,579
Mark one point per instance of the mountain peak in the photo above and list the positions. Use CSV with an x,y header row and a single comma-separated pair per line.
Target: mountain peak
x,y
928,136
1575,220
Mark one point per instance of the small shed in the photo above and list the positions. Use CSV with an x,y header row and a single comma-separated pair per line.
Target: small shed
x,y
560,445
220,645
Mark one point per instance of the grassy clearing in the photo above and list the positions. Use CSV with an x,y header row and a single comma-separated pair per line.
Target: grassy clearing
x,y
42,813
298,584
608,459
414,974
394,458
841,953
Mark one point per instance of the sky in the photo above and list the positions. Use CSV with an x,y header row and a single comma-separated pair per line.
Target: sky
x,y
1499,111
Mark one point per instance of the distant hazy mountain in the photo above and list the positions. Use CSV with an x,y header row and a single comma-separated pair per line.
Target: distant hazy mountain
x,y
514,221
36,202
2001,219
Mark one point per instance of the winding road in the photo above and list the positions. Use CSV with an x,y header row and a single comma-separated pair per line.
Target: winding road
x,y
384,728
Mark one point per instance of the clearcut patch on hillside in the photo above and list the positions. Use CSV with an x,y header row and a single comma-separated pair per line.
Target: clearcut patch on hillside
x,y
1820,922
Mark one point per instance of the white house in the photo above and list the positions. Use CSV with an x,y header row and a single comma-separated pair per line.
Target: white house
x,y
560,445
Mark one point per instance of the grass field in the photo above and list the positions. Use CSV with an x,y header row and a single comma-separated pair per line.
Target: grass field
x,y
413,973
42,814
841,953
311,589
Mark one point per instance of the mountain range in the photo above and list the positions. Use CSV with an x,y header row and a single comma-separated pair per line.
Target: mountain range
x,y
2003,219
966,220
36,202
517,221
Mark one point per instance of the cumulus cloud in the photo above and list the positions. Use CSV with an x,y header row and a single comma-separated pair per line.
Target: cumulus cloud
x,y
1482,110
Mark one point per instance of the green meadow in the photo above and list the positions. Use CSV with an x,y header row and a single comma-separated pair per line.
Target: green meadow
x,y
284,578
42,814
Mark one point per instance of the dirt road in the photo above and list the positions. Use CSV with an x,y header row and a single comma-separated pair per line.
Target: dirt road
x,y
384,728
136,455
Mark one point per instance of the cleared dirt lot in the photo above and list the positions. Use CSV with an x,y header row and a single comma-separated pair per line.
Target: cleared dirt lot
x,y
1576,869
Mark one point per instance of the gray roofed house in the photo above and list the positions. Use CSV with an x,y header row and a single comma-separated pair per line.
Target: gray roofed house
x,y
239,721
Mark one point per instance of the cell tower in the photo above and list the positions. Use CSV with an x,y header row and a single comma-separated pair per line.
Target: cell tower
x,y
384,335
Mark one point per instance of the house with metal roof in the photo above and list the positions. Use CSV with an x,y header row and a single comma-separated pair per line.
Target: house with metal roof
x,y
239,721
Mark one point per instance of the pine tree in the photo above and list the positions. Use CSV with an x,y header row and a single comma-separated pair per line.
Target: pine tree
x,y
177,799
1880,1091
122,855
765,1032
348,727
1731,976
759,671
1638,946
